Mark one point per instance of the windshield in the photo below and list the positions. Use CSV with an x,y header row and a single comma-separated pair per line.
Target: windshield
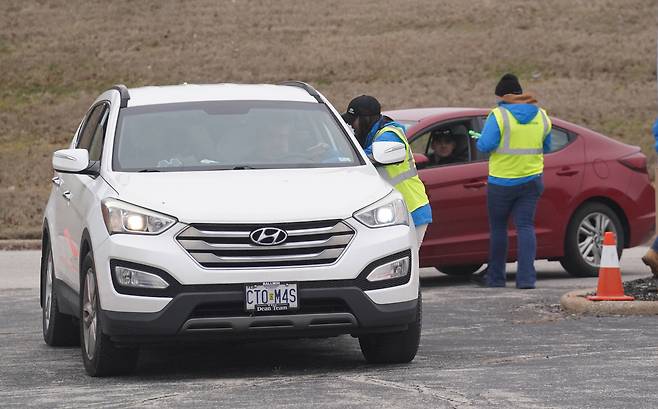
x,y
217,135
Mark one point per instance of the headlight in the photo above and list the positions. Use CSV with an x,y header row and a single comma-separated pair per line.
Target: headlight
x,y
388,211
122,217
129,277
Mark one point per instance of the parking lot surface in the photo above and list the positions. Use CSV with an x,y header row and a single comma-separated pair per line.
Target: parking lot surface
x,y
481,348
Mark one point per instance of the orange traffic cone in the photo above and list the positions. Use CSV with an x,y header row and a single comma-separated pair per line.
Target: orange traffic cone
x,y
610,287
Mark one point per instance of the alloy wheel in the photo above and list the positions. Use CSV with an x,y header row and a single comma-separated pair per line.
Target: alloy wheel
x,y
48,296
89,312
591,232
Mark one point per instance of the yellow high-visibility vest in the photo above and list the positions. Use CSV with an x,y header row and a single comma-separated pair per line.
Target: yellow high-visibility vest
x,y
404,176
520,152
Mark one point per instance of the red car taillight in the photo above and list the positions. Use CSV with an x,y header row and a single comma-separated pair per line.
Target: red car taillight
x,y
635,161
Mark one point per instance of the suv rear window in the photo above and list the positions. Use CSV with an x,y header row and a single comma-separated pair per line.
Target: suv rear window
x,y
217,135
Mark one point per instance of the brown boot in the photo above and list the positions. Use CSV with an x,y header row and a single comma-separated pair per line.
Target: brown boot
x,y
651,259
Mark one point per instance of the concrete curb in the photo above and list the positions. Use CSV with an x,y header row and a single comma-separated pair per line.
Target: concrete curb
x,y
575,302
20,244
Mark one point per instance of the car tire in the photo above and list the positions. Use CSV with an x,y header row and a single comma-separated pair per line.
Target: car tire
x,y
100,355
579,234
395,347
58,329
459,271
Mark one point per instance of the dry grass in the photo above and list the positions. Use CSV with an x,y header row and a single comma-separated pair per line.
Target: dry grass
x,y
590,61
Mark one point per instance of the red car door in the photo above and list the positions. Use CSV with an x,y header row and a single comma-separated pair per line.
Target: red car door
x,y
459,233
564,168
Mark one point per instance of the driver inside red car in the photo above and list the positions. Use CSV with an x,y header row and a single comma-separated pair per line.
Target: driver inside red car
x,y
445,148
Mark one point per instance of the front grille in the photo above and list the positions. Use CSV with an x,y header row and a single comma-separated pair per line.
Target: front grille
x,y
237,309
230,245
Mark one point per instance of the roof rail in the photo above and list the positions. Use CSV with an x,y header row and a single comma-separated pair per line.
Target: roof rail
x,y
123,92
305,87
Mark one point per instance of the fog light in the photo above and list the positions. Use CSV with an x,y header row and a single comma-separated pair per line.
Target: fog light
x,y
394,269
129,277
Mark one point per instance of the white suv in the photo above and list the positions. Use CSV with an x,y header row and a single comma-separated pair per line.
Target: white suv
x,y
205,212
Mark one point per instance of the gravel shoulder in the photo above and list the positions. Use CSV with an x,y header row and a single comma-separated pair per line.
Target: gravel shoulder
x,y
643,289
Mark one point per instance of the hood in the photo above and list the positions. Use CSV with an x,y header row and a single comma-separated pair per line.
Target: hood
x,y
523,113
253,196
523,106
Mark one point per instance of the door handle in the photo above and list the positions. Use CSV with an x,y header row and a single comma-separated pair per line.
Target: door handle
x,y
567,172
57,181
67,195
475,185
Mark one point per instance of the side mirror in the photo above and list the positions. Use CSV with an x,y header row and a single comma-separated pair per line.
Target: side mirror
x,y
421,160
71,160
388,152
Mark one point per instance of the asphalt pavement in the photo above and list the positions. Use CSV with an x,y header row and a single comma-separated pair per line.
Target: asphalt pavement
x,y
481,348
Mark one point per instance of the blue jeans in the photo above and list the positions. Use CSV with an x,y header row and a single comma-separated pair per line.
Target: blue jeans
x,y
520,202
654,246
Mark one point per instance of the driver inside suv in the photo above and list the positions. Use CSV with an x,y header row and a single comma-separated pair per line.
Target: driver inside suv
x,y
284,143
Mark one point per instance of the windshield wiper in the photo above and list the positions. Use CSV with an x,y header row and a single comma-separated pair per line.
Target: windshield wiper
x,y
240,167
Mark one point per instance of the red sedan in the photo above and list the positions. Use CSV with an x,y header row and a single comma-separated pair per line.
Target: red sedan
x,y
593,184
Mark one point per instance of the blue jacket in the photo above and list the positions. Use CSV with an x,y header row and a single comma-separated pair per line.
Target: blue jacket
x,y
422,215
490,138
385,137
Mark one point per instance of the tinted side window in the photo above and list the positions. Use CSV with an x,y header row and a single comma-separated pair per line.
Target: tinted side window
x,y
96,147
89,127
559,139
446,143
419,144
478,155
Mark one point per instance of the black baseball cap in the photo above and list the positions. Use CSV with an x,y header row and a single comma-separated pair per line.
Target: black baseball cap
x,y
363,105
442,133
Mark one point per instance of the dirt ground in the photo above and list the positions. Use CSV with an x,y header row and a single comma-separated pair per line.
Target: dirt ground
x,y
589,62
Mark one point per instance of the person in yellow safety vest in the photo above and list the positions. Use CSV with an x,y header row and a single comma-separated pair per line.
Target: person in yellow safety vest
x,y
371,127
517,133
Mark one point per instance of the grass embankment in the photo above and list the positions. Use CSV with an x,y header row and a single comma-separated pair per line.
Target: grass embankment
x,y
590,62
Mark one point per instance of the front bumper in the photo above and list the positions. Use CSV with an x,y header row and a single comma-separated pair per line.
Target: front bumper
x,y
325,309
165,253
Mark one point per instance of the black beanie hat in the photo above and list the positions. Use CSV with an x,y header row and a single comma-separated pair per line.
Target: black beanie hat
x,y
508,84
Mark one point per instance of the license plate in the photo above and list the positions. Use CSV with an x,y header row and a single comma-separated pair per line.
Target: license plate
x,y
271,297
